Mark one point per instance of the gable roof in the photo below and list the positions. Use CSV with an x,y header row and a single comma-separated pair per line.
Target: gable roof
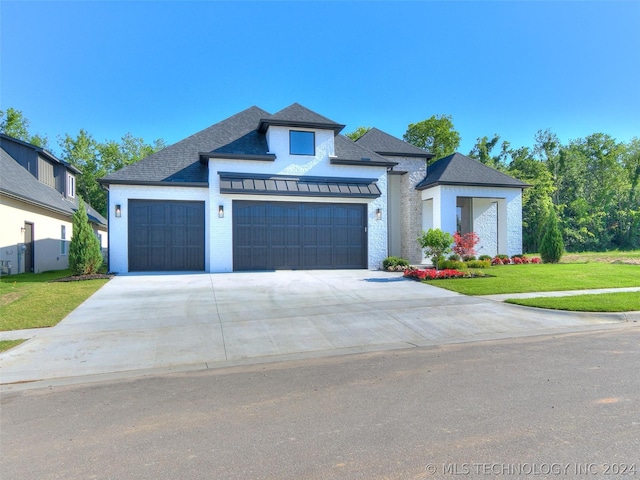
x,y
458,169
180,164
16,182
388,145
295,115
40,151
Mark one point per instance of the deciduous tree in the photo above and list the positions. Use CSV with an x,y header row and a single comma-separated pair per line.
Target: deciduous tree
x,y
436,135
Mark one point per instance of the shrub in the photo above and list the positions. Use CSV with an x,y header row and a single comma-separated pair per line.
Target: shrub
x,y
85,254
394,264
454,256
500,260
551,246
435,244
479,263
465,244
452,265
485,257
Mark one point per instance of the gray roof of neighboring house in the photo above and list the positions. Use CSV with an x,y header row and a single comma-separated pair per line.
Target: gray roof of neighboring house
x,y
458,169
18,183
388,145
41,151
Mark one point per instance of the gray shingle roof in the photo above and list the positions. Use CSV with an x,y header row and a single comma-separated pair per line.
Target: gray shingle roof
x,y
350,152
458,169
308,186
180,163
17,182
297,115
385,144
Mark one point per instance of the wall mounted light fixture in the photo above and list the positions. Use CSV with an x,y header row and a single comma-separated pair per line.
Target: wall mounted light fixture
x,y
118,211
221,211
378,214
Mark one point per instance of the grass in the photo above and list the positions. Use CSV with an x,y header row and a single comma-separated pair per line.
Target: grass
x,y
606,302
7,344
545,278
613,256
30,301
577,271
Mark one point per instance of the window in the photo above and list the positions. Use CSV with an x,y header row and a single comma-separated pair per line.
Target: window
x,y
71,185
302,143
63,240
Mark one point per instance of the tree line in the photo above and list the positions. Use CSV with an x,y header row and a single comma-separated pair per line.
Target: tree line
x,y
592,184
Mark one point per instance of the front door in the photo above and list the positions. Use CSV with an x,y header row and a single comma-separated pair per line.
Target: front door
x,y
28,243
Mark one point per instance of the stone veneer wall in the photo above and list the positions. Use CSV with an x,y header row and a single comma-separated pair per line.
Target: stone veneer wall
x,y
410,205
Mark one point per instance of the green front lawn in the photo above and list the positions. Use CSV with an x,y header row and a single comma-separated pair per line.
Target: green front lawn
x,y
545,278
605,302
30,301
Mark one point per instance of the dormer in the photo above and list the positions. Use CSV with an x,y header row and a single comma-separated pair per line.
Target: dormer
x,y
298,133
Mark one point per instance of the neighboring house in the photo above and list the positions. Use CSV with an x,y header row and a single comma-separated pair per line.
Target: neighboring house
x,y
37,203
287,191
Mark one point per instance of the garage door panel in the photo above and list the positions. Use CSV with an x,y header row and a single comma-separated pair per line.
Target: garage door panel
x,y
294,235
166,235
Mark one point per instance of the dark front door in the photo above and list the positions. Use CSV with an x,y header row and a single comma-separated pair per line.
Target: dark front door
x,y
28,243
166,235
288,235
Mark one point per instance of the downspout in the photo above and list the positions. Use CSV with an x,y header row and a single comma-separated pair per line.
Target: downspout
x,y
497,229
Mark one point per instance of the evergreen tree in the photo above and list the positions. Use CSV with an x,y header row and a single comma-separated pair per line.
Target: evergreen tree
x,y
552,246
85,255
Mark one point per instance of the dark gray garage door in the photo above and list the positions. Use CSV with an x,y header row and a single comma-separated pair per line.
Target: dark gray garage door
x,y
283,235
166,235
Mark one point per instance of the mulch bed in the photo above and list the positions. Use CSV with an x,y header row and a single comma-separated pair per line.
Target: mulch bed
x,y
79,278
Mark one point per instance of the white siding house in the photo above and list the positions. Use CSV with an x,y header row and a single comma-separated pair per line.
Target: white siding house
x,y
285,191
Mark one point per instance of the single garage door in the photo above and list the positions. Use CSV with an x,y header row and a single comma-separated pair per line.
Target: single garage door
x,y
288,235
166,235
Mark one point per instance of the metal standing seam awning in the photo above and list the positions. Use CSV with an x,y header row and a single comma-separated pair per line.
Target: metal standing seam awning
x,y
307,186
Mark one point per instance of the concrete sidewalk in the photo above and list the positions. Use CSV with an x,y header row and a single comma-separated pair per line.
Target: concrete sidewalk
x,y
567,293
142,323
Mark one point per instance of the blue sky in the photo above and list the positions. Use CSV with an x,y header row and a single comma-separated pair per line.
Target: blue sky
x,y
169,69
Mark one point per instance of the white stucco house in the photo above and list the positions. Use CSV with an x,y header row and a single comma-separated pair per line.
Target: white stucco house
x,y
37,202
258,191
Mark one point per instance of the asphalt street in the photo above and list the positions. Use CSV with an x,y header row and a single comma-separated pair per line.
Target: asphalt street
x,y
552,406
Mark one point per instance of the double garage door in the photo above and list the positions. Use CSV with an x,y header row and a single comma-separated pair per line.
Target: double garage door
x,y
166,236
170,235
288,235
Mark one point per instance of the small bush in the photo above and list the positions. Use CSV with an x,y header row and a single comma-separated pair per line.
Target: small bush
x,y
479,263
394,264
454,256
551,246
452,265
85,254
468,258
485,257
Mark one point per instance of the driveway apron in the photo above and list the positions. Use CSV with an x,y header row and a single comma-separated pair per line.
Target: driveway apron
x,y
162,321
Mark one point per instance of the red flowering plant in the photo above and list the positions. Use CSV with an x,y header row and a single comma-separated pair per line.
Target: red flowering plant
x,y
433,274
465,245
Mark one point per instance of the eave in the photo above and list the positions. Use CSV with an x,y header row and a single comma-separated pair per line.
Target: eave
x,y
362,163
267,157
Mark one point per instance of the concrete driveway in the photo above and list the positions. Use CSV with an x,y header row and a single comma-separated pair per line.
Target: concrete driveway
x,y
139,323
